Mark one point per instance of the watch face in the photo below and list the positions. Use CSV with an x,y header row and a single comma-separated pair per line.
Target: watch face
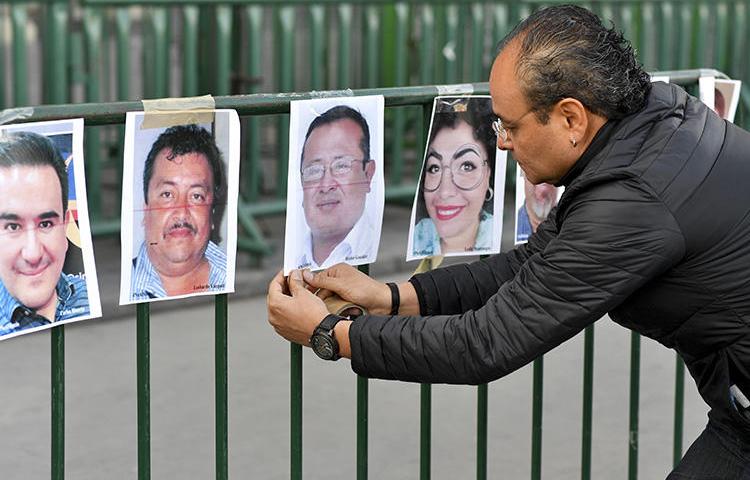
x,y
322,346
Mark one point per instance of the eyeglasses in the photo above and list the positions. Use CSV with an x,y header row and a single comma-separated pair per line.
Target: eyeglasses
x,y
501,131
340,168
466,174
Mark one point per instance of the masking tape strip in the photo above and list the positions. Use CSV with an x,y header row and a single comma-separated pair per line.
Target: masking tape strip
x,y
429,263
339,306
166,112
332,93
458,89
10,115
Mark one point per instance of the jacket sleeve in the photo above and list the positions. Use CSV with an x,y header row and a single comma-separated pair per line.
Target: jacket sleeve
x,y
611,242
468,286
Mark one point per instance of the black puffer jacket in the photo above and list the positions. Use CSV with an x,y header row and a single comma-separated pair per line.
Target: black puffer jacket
x,y
654,228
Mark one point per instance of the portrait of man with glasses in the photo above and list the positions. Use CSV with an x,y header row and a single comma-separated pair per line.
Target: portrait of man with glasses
x,y
335,184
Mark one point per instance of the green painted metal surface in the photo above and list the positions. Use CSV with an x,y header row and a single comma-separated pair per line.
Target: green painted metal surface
x,y
221,376
57,402
635,388
588,401
143,379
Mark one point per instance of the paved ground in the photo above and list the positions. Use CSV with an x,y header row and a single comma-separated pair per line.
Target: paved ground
x,y
101,405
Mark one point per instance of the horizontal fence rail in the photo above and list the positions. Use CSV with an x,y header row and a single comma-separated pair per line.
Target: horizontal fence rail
x,y
249,106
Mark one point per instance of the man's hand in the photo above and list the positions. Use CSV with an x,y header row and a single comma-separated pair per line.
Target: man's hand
x,y
351,285
293,311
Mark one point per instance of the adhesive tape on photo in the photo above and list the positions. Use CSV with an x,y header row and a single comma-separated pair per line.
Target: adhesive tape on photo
x,y
339,306
166,112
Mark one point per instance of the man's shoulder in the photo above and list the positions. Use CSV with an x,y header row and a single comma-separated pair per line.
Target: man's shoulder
x,y
216,255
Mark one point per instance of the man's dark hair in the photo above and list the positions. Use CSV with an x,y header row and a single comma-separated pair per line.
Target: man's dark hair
x,y
34,150
342,112
185,139
566,51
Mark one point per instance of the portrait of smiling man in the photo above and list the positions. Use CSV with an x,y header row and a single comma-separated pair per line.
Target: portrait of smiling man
x,y
337,174
184,192
34,291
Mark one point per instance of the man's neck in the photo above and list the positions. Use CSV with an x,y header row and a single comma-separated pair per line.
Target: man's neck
x,y
191,281
323,247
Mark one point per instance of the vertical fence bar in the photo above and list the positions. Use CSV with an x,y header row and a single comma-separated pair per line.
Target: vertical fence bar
x,y
224,46
285,81
317,41
536,419
55,53
57,402
722,33
739,39
143,390
401,10
477,43
425,389
190,16
482,431
19,18
635,371
679,408
93,30
254,25
222,415
362,428
296,411
362,414
371,46
343,61
3,52
588,400
450,50
425,431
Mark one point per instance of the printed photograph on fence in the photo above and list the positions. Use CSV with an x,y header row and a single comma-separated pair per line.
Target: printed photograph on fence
x,y
721,95
533,204
458,206
47,270
335,189
179,207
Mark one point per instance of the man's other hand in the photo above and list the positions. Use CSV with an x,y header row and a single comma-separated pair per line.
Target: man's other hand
x,y
351,285
293,311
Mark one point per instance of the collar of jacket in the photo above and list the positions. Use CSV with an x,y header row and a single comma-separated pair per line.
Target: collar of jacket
x,y
600,140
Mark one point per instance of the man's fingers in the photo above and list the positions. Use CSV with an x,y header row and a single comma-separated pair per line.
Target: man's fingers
x,y
296,283
323,293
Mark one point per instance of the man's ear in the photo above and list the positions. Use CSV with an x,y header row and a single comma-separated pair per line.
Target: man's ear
x,y
369,172
574,115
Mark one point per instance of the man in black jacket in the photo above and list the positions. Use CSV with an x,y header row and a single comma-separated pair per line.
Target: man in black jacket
x,y
653,228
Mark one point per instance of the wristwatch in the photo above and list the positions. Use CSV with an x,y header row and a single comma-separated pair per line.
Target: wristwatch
x,y
323,341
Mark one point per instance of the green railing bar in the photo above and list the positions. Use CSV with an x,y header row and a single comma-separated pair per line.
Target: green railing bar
x,y
425,431
343,60
57,401
190,56
254,19
285,35
317,47
267,103
635,372
588,400
536,419
55,52
362,414
739,33
93,28
401,11
362,429
3,102
295,416
482,394
19,18
222,83
371,46
222,415
679,408
143,381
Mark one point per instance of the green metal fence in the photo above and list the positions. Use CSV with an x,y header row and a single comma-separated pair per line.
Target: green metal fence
x,y
119,50
253,106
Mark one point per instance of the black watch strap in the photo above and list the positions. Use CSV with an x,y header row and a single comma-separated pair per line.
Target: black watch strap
x,y
327,324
